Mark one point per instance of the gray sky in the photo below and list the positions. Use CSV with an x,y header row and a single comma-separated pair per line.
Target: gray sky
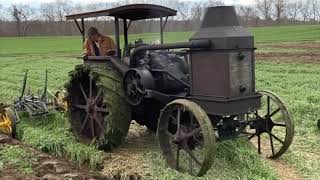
x,y
36,2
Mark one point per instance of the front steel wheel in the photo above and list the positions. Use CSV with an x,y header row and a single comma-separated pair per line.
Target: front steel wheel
x,y
272,127
186,137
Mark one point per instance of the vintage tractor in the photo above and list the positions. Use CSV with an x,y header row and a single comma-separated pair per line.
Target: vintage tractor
x,y
193,94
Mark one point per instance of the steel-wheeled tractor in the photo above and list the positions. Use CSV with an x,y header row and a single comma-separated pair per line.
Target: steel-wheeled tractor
x,y
193,94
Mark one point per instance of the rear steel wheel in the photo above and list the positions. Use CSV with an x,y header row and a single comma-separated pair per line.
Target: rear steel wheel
x,y
186,137
272,127
98,109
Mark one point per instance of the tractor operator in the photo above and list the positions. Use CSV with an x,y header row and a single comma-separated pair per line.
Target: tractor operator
x,y
98,44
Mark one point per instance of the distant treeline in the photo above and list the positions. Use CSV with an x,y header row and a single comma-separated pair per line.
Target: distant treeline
x,y
48,19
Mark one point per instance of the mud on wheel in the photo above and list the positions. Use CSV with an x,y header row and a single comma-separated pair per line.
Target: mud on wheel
x,y
186,137
97,107
273,127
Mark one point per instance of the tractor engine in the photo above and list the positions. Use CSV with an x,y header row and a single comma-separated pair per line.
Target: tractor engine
x,y
158,70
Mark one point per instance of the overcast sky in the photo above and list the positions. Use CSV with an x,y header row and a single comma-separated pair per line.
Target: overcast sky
x,y
37,2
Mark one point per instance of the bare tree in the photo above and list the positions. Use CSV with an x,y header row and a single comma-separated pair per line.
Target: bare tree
x,y
305,11
47,11
279,6
265,9
0,12
216,2
246,13
21,14
293,9
314,9
62,8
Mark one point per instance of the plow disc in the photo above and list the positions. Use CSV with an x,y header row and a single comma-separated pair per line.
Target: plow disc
x,y
98,110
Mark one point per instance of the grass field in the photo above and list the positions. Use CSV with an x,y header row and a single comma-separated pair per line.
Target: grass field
x,y
297,83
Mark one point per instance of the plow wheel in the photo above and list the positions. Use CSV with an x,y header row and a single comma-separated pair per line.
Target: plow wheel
x,y
98,110
7,121
186,137
273,127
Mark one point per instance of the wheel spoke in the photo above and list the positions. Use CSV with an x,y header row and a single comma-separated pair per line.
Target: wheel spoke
x,y
178,120
90,87
100,109
268,106
250,137
274,112
79,106
277,124
259,144
84,123
191,118
92,128
83,93
178,154
271,144
98,95
278,139
193,132
193,156
101,128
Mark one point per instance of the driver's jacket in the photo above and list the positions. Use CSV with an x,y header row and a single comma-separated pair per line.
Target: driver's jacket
x,y
104,45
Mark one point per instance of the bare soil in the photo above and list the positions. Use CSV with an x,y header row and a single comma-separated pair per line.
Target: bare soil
x,y
45,167
129,160
284,170
310,53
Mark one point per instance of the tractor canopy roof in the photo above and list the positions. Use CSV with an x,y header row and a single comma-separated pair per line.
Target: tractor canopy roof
x,y
132,12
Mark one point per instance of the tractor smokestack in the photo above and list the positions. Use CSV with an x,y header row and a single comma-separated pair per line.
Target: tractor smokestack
x,y
220,16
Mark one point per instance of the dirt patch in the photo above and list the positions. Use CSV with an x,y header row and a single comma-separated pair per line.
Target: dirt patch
x,y
301,57
129,160
45,166
310,55
304,45
284,170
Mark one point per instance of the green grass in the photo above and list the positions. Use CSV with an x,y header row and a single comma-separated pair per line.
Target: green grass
x,y
297,84
59,46
236,159
53,135
14,155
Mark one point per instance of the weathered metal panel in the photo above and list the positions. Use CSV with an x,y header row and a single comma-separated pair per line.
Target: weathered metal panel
x,y
226,107
209,75
241,76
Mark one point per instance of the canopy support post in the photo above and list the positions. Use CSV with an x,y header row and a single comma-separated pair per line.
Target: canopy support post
x,y
125,32
161,31
162,26
117,36
81,29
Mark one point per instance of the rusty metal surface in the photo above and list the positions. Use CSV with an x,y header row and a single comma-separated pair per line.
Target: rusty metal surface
x,y
131,12
226,107
225,71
